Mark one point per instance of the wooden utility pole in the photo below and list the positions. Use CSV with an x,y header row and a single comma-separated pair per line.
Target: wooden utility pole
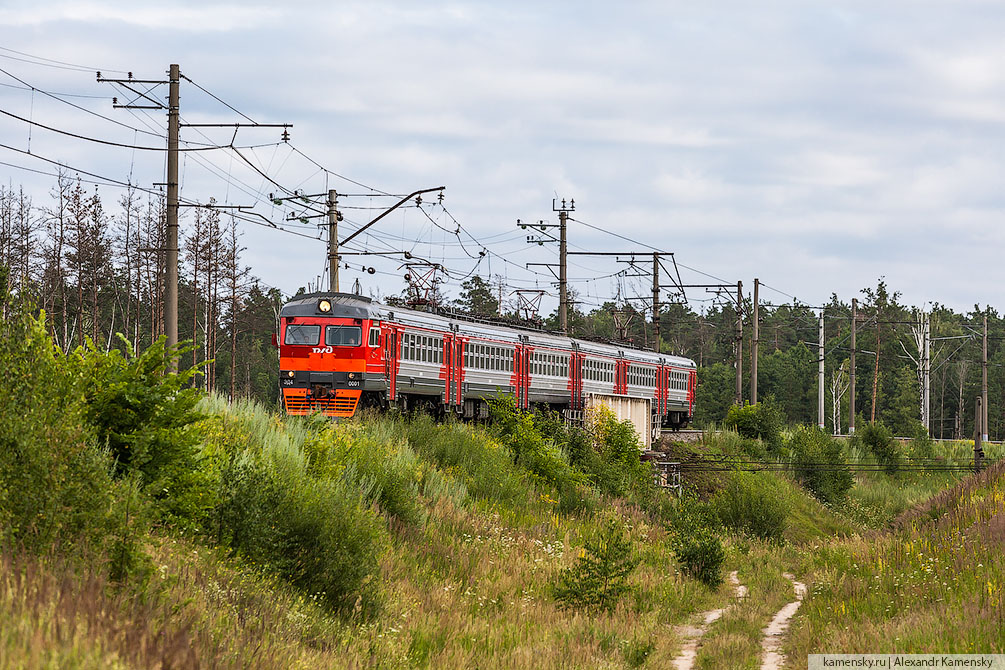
x,y
984,380
333,240
851,397
739,343
754,342
821,419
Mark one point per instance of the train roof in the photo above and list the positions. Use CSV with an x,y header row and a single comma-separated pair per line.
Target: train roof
x,y
348,305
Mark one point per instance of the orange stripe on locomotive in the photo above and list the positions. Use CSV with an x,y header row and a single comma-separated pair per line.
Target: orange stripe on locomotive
x,y
325,361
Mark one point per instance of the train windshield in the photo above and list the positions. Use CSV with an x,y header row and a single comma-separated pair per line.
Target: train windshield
x,y
302,334
343,336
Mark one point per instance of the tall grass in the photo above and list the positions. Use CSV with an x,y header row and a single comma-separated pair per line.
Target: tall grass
x,y
934,584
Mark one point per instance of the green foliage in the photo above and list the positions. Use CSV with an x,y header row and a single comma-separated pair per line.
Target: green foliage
x,y
142,412
539,455
485,466
922,445
599,578
695,539
636,652
477,297
750,504
820,464
877,438
373,458
760,421
701,556
317,532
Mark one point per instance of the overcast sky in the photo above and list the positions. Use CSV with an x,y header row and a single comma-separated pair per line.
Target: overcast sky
x,y
816,146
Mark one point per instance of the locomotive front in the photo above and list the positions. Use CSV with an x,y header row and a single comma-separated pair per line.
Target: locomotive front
x,y
328,354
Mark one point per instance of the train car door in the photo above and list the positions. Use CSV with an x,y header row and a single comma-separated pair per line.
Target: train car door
x,y
459,371
391,361
448,368
576,373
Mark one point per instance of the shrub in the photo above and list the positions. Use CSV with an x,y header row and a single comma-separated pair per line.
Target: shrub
x,y
695,539
700,555
366,454
751,505
760,421
599,579
141,411
55,484
820,464
319,534
539,455
485,466
878,439
922,444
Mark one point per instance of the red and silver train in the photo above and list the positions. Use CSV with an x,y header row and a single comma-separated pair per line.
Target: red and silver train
x,y
339,352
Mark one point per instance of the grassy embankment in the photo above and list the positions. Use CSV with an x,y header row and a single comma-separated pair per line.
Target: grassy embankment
x,y
142,529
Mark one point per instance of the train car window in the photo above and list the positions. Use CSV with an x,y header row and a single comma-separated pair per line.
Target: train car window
x,y
302,335
374,337
343,336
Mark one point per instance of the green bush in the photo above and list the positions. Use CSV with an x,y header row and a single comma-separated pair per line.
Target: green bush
x,y
374,458
749,504
143,413
700,555
879,440
319,534
820,464
922,444
695,538
485,467
599,579
539,455
760,421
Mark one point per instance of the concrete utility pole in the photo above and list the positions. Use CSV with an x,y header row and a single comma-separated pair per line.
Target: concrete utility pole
x,y
926,373
739,343
978,430
984,380
851,385
171,289
656,300
333,240
821,421
563,285
144,100
754,342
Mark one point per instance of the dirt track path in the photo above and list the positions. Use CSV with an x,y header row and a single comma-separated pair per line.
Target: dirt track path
x,y
693,634
772,642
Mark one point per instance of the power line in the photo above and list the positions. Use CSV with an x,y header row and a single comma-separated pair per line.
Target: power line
x,y
105,142
49,62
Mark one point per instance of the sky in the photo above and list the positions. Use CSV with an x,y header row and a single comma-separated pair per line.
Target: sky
x,y
819,147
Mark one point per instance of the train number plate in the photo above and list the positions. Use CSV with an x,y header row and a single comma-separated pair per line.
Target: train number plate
x,y
287,382
353,383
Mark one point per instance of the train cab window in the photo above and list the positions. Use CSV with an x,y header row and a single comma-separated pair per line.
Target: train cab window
x,y
302,335
374,337
343,336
